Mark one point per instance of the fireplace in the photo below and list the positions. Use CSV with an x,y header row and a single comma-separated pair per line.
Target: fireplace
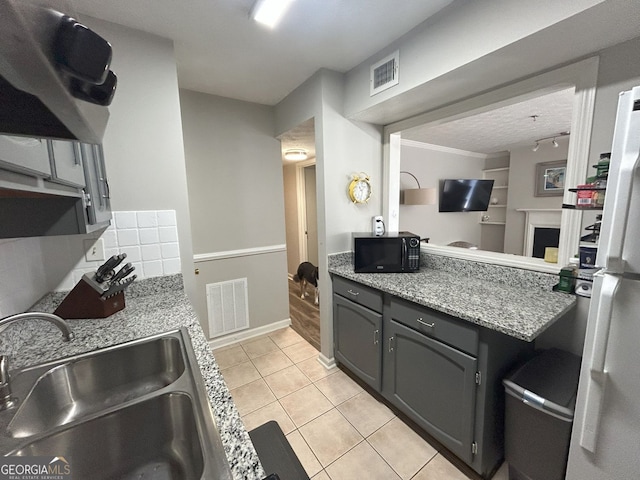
x,y
544,237
541,230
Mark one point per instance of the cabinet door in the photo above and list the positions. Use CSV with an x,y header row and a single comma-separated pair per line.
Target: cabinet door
x,y
97,188
25,155
432,383
356,332
66,163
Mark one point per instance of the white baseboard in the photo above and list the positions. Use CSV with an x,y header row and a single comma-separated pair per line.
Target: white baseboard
x,y
247,334
326,362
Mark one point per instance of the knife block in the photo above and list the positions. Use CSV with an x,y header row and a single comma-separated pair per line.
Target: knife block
x,y
85,302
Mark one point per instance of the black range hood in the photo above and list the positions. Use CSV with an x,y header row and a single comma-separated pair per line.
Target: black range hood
x,y
55,80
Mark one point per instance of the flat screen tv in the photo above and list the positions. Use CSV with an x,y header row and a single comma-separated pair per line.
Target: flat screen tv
x,y
465,195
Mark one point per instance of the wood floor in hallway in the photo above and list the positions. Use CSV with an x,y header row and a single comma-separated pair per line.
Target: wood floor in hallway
x,y
305,316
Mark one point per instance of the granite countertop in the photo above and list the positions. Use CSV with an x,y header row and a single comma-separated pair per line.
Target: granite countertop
x,y
154,305
517,306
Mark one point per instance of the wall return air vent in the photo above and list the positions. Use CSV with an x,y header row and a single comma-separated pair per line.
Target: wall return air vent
x,y
384,74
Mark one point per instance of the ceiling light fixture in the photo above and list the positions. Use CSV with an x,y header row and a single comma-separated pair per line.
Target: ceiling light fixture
x,y
295,154
269,12
554,142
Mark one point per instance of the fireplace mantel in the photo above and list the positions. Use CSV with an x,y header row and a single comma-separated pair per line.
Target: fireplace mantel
x,y
538,218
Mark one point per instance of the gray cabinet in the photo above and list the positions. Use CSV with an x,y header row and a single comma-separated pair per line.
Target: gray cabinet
x,y
97,197
51,187
432,382
357,329
442,372
66,163
25,155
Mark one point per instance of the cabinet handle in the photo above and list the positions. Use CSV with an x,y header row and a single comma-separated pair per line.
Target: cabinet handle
x,y
375,336
355,294
430,325
390,344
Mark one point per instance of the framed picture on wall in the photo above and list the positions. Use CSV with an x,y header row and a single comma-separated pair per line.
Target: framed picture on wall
x,y
550,178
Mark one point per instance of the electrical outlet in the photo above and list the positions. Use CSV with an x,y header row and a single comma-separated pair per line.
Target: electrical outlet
x,y
94,250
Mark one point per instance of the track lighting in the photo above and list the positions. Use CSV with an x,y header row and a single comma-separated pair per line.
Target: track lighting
x,y
554,142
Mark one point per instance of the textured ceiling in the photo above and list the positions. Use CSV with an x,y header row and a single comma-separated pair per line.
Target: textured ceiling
x,y
503,128
221,51
302,137
493,131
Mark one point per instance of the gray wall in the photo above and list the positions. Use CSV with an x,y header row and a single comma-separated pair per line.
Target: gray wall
x,y
470,34
236,196
430,166
143,141
343,148
522,169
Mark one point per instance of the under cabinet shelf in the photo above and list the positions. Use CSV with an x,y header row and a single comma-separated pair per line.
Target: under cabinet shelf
x,y
492,223
574,207
497,206
594,189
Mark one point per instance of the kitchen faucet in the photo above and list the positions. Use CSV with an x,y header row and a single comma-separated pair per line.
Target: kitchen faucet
x,y
5,385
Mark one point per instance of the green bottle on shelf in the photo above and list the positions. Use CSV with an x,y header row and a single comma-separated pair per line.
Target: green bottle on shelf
x,y
568,275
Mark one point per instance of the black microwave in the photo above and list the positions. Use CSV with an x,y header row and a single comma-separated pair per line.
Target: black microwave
x,y
388,253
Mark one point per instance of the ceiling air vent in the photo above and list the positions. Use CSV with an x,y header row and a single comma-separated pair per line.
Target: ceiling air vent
x,y
384,74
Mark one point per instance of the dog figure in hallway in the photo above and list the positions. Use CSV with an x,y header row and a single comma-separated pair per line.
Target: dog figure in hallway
x,y
307,274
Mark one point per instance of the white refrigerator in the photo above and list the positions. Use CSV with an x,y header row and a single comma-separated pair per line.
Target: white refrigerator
x,y
605,440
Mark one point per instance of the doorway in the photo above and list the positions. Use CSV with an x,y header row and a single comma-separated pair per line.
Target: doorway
x,y
309,224
301,227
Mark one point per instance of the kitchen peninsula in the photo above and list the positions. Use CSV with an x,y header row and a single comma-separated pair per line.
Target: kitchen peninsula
x,y
437,343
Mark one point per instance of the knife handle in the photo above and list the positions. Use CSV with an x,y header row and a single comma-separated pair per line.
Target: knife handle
x,y
123,272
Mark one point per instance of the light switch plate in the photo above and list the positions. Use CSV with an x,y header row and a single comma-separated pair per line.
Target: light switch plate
x,y
94,250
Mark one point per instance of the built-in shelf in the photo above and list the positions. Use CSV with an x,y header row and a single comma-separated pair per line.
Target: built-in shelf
x,y
499,195
588,244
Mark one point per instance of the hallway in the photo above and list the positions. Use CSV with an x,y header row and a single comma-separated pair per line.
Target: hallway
x,y
305,316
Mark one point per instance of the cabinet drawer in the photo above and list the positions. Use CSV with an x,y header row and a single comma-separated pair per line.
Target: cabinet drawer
x,y
358,293
445,328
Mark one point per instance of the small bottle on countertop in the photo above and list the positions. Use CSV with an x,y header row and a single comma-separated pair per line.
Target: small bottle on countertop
x,y
568,276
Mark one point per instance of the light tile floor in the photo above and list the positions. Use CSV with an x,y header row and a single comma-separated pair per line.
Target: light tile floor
x,y
338,430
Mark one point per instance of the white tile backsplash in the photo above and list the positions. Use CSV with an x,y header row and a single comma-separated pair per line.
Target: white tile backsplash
x,y
128,237
170,250
125,220
149,238
168,234
147,219
150,252
152,268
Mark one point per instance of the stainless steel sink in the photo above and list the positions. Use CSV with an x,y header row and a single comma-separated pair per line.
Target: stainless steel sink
x,y
86,385
161,442
138,408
